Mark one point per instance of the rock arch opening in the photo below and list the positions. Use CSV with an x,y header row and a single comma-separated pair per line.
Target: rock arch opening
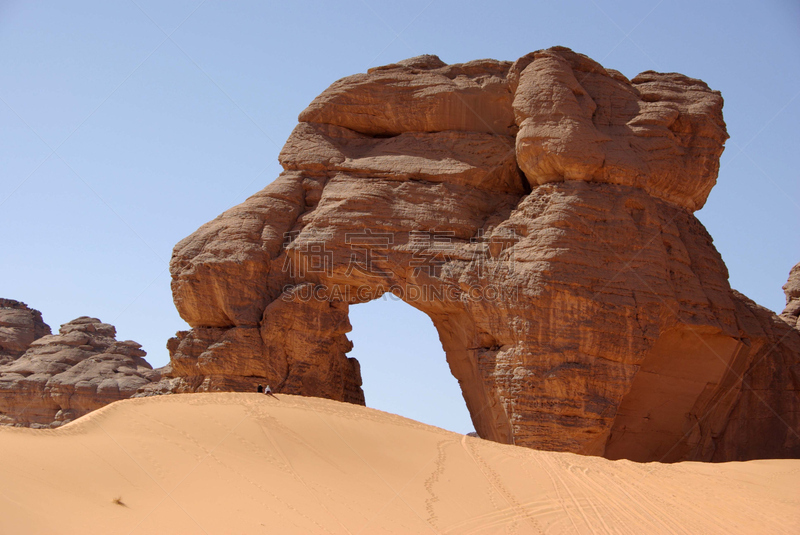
x,y
403,364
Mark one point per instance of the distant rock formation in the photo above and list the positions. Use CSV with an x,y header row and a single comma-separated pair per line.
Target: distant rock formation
x,y
19,327
791,314
541,213
58,378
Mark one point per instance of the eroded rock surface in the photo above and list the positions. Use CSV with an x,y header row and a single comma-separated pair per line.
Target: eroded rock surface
x,y
64,376
19,327
541,213
791,314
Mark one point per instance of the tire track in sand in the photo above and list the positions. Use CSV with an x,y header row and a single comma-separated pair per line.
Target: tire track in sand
x,y
496,482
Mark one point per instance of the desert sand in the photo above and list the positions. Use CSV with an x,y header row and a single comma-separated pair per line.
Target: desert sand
x,y
250,463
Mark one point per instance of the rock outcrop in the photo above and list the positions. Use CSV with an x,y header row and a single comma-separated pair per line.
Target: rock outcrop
x,y
791,314
62,377
541,214
19,327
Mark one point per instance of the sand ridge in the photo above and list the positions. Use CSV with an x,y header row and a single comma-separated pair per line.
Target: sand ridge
x,y
248,463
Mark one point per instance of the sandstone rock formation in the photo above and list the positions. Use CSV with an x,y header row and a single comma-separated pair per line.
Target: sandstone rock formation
x,y
541,213
62,377
19,327
791,314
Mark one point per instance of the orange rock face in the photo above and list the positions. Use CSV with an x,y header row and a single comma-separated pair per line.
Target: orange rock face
x,y
659,132
541,213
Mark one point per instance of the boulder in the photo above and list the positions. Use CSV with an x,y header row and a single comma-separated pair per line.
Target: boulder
x,y
791,314
19,327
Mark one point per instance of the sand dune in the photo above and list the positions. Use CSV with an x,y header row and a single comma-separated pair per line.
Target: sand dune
x,y
247,463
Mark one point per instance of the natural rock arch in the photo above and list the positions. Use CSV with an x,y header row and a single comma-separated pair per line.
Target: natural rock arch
x,y
403,364
541,214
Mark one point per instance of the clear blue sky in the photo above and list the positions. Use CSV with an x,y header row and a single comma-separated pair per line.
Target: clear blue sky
x,y
164,114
